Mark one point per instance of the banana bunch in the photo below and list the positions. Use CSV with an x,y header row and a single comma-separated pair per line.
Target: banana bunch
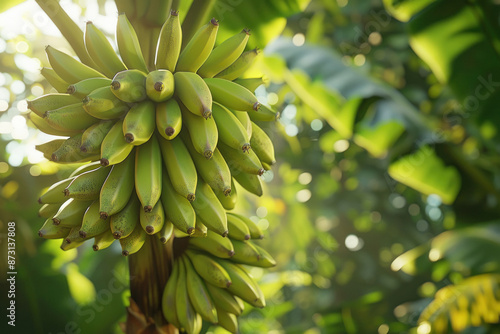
x,y
163,148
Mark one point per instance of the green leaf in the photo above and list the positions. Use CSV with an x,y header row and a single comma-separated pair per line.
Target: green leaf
x,y
425,172
7,4
404,10
379,139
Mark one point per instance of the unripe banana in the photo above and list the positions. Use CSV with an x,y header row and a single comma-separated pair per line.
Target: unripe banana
x,y
245,253
160,85
103,104
92,224
134,242
139,123
266,260
48,210
209,209
214,244
225,54
240,66
51,231
69,152
255,231
93,137
45,127
200,229
203,132
198,48
224,300
68,68
85,168
71,213
240,161
243,285
250,83
72,240
115,148
193,93
50,102
148,174
245,120
166,231
250,182
129,86
54,80
118,187
228,321
152,222
103,240
210,270
231,131
177,208
232,95
238,230
123,223
265,165
87,86
168,119
185,311
228,202
128,45
55,194
169,43
101,51
262,145
169,300
50,147
71,117
264,114
198,294
87,186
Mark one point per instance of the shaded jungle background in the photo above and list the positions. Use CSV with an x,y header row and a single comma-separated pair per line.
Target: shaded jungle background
x,y
382,211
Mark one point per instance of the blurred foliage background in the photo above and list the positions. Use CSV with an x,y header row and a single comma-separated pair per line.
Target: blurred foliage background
x,y
382,211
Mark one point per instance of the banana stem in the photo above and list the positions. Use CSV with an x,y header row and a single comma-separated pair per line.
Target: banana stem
x,y
68,28
149,271
195,18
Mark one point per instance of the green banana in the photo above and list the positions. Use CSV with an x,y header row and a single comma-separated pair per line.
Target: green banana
x,y
263,114
229,201
71,213
255,231
103,104
214,244
72,240
160,85
124,222
157,12
148,173
87,186
93,137
139,123
178,209
69,151
45,127
198,49
200,230
168,119
128,45
168,300
250,83
103,240
68,68
185,311
249,182
115,148
198,294
133,242
265,165
193,93
228,321
70,118
50,102
208,208
225,54
245,253
262,145
129,86
101,51
54,80
166,231
51,231
231,131
266,260
203,132
48,210
238,230
224,300
245,120
169,43
180,167
209,269
240,161
153,221
85,168
55,194
118,187
232,95
50,147
243,285
87,86
238,67
92,224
